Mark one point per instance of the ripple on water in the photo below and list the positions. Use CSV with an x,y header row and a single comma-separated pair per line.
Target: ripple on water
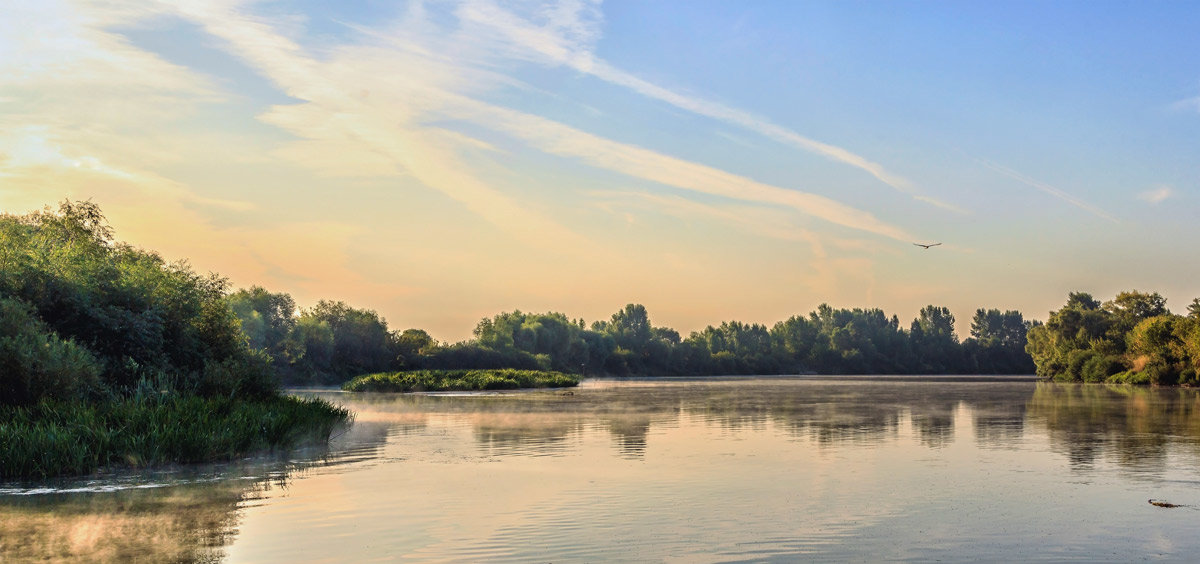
x,y
742,470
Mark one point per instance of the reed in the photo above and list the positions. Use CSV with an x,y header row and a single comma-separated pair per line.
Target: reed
x,y
459,380
76,438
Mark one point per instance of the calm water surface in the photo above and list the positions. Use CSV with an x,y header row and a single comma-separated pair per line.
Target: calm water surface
x,y
691,471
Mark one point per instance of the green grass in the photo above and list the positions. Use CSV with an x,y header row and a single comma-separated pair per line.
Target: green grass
x,y
459,380
76,438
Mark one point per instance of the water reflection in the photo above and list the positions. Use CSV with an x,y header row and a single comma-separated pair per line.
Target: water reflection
x,y
177,523
1133,427
188,514
629,432
829,412
855,469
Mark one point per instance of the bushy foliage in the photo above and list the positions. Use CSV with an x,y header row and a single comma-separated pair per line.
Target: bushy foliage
x,y
267,320
35,363
472,355
551,335
102,316
326,344
1131,339
997,342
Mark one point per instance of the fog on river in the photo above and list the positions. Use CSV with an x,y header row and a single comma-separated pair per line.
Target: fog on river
x,y
694,470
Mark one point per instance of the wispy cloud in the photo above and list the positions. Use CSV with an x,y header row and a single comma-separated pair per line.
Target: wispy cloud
x,y
766,222
1074,201
553,47
387,128
556,138
1187,104
362,110
1157,194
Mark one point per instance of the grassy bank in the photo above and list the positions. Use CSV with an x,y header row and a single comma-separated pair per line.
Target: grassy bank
x,y
74,438
459,380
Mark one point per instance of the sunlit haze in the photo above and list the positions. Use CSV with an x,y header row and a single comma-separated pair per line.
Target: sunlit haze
x,y
444,161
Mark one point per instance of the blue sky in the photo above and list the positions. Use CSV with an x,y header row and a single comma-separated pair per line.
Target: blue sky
x,y
442,161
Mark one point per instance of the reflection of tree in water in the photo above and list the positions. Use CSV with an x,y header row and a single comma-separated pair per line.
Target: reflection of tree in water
x,y
832,412
934,423
190,518
183,523
536,423
827,412
629,432
1000,418
732,408
524,433
831,424
862,412
1134,426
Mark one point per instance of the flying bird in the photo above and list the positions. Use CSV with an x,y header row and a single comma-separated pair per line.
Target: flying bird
x,y
927,246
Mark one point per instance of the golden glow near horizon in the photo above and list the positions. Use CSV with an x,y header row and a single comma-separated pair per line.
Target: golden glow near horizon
x,y
444,161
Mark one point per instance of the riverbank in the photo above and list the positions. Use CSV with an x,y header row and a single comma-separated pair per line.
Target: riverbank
x,y
459,380
52,439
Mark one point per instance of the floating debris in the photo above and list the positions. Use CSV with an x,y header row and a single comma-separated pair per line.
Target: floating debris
x,y
1161,503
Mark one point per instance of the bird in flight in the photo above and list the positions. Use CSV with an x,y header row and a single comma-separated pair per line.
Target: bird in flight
x,y
927,246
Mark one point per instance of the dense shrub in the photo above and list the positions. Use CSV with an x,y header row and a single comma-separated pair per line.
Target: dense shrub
x,y
1130,339
35,363
1099,367
84,314
470,355
109,355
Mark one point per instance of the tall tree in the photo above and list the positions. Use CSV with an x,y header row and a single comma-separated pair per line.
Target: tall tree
x,y
1194,308
361,341
267,320
934,341
1131,307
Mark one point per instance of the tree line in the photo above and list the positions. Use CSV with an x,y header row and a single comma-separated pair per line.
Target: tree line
x,y
1132,338
332,342
84,316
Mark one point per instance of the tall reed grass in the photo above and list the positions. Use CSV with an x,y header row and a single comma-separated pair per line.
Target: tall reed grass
x,y
75,438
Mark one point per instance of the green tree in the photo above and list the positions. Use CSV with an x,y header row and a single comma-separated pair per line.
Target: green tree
x,y
267,320
1131,338
641,348
997,343
934,342
1131,307
1156,351
413,343
312,343
1082,301
141,318
361,341
631,327
36,364
1194,309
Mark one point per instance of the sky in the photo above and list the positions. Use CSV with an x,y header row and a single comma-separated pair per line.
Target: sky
x,y
443,161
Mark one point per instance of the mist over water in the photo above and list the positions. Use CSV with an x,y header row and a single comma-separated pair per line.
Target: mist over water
x,y
673,470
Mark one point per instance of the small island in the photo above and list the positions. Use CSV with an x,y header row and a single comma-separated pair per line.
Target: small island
x,y
459,380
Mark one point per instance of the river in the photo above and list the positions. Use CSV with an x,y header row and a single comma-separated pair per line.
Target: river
x,y
679,470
